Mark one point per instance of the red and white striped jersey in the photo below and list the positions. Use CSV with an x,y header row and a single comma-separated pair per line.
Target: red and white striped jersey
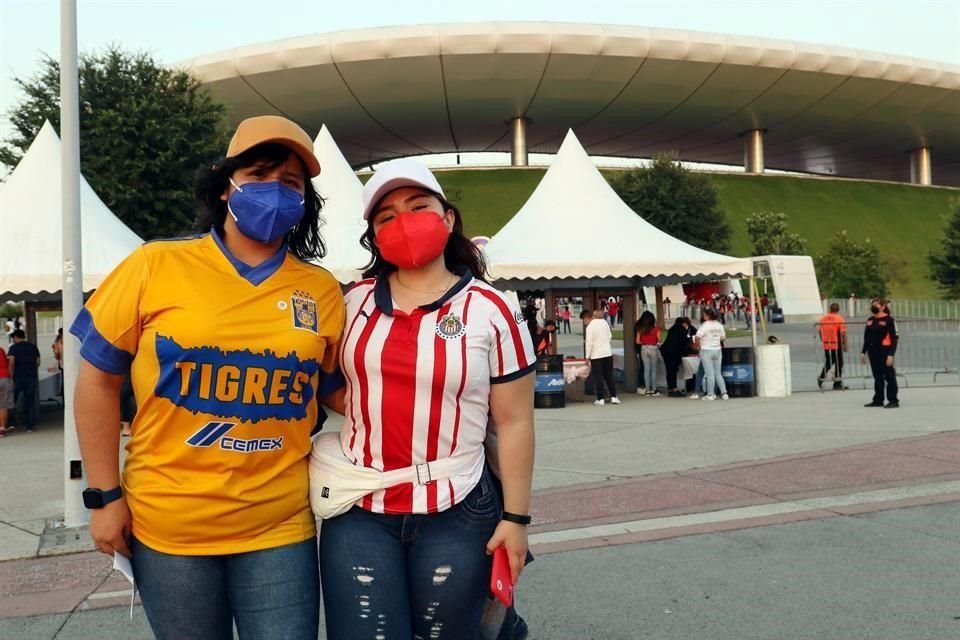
x,y
418,384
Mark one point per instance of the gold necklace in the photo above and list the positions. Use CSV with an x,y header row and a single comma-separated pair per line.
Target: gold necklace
x,y
445,288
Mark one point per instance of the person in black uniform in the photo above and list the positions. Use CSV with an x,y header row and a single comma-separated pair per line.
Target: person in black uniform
x,y
880,345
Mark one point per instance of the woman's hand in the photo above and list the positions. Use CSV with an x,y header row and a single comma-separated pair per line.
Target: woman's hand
x,y
513,537
889,361
863,358
110,528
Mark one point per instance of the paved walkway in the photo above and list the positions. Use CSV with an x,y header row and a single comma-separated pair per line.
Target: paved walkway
x,y
652,469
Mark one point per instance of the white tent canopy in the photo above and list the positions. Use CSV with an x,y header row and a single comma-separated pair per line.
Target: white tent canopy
x,y
31,226
575,226
342,192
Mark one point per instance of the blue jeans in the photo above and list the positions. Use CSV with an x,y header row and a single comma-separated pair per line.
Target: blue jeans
x,y
712,360
269,594
409,576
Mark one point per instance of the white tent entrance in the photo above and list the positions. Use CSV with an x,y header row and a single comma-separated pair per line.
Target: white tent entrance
x,y
575,237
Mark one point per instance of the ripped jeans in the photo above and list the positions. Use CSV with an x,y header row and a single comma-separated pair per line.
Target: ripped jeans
x,y
409,577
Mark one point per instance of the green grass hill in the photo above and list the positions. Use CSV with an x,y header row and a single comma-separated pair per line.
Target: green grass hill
x,y
903,220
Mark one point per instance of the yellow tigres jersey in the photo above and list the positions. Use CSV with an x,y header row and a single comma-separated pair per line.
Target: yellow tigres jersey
x,y
227,364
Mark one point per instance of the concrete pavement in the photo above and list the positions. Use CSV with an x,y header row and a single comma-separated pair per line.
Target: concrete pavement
x,y
659,518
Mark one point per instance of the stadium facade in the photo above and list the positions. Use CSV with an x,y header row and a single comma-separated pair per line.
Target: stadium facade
x,y
626,91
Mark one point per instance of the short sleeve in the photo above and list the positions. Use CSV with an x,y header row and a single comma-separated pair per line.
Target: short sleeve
x,y
512,354
109,324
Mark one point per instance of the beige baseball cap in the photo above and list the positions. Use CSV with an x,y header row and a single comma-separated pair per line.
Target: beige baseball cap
x,y
277,129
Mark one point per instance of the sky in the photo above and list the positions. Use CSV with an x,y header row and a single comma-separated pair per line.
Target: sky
x,y
175,30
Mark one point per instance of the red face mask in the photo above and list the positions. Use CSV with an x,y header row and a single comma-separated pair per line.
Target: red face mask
x,y
413,239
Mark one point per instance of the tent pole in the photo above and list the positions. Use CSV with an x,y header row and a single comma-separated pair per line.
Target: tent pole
x,y
658,294
753,310
73,512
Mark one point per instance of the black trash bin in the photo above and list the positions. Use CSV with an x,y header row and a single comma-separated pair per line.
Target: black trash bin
x,y
550,387
738,372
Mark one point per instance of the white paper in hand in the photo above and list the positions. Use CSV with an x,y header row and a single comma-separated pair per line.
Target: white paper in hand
x,y
122,564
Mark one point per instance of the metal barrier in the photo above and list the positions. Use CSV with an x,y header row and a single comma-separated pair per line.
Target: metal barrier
x,y
926,348
906,309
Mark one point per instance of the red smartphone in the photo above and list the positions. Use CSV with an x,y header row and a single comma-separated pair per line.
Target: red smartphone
x,y
501,583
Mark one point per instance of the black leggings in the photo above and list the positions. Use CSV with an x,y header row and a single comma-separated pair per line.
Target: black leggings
x,y
601,371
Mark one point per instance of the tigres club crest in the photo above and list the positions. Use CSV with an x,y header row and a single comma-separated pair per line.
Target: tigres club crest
x,y
304,312
518,316
450,327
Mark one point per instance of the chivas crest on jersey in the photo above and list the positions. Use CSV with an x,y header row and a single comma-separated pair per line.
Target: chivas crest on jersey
x,y
450,327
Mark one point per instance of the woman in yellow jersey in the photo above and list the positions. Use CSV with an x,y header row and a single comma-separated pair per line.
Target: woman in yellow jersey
x,y
231,341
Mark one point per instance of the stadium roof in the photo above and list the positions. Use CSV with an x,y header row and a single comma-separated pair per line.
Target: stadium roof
x,y
626,91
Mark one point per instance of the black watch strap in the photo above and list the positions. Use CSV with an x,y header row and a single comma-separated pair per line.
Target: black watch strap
x,y
98,498
517,518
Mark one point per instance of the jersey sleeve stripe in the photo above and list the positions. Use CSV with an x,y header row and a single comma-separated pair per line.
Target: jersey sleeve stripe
x,y
96,349
499,343
508,318
515,375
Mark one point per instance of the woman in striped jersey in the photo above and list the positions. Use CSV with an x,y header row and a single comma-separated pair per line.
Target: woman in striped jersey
x,y
430,350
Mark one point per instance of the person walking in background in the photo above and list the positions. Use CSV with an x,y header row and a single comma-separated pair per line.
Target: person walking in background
x,y
674,347
710,337
565,319
833,334
638,350
24,365
880,340
6,392
57,348
598,352
648,339
613,308
544,338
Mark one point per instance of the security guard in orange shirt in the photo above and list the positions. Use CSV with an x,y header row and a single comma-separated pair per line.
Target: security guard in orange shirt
x,y
880,345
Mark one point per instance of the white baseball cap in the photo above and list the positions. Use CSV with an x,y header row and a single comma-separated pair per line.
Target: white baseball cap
x,y
405,172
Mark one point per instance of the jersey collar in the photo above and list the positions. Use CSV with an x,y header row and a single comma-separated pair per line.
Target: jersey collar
x,y
253,275
384,300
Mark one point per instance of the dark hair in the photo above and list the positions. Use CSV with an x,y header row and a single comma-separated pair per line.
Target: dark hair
x,y
549,323
710,313
586,313
647,321
834,307
680,321
19,333
304,240
458,252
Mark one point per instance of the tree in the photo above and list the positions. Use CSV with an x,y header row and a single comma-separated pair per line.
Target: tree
x,y
945,263
770,236
850,267
144,131
677,201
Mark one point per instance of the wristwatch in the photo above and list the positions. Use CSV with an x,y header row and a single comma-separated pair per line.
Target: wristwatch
x,y
517,518
98,498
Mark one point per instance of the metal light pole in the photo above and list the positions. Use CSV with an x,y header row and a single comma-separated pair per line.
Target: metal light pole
x,y
73,512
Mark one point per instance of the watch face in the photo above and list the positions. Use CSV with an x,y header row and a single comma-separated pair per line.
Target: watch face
x,y
92,499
